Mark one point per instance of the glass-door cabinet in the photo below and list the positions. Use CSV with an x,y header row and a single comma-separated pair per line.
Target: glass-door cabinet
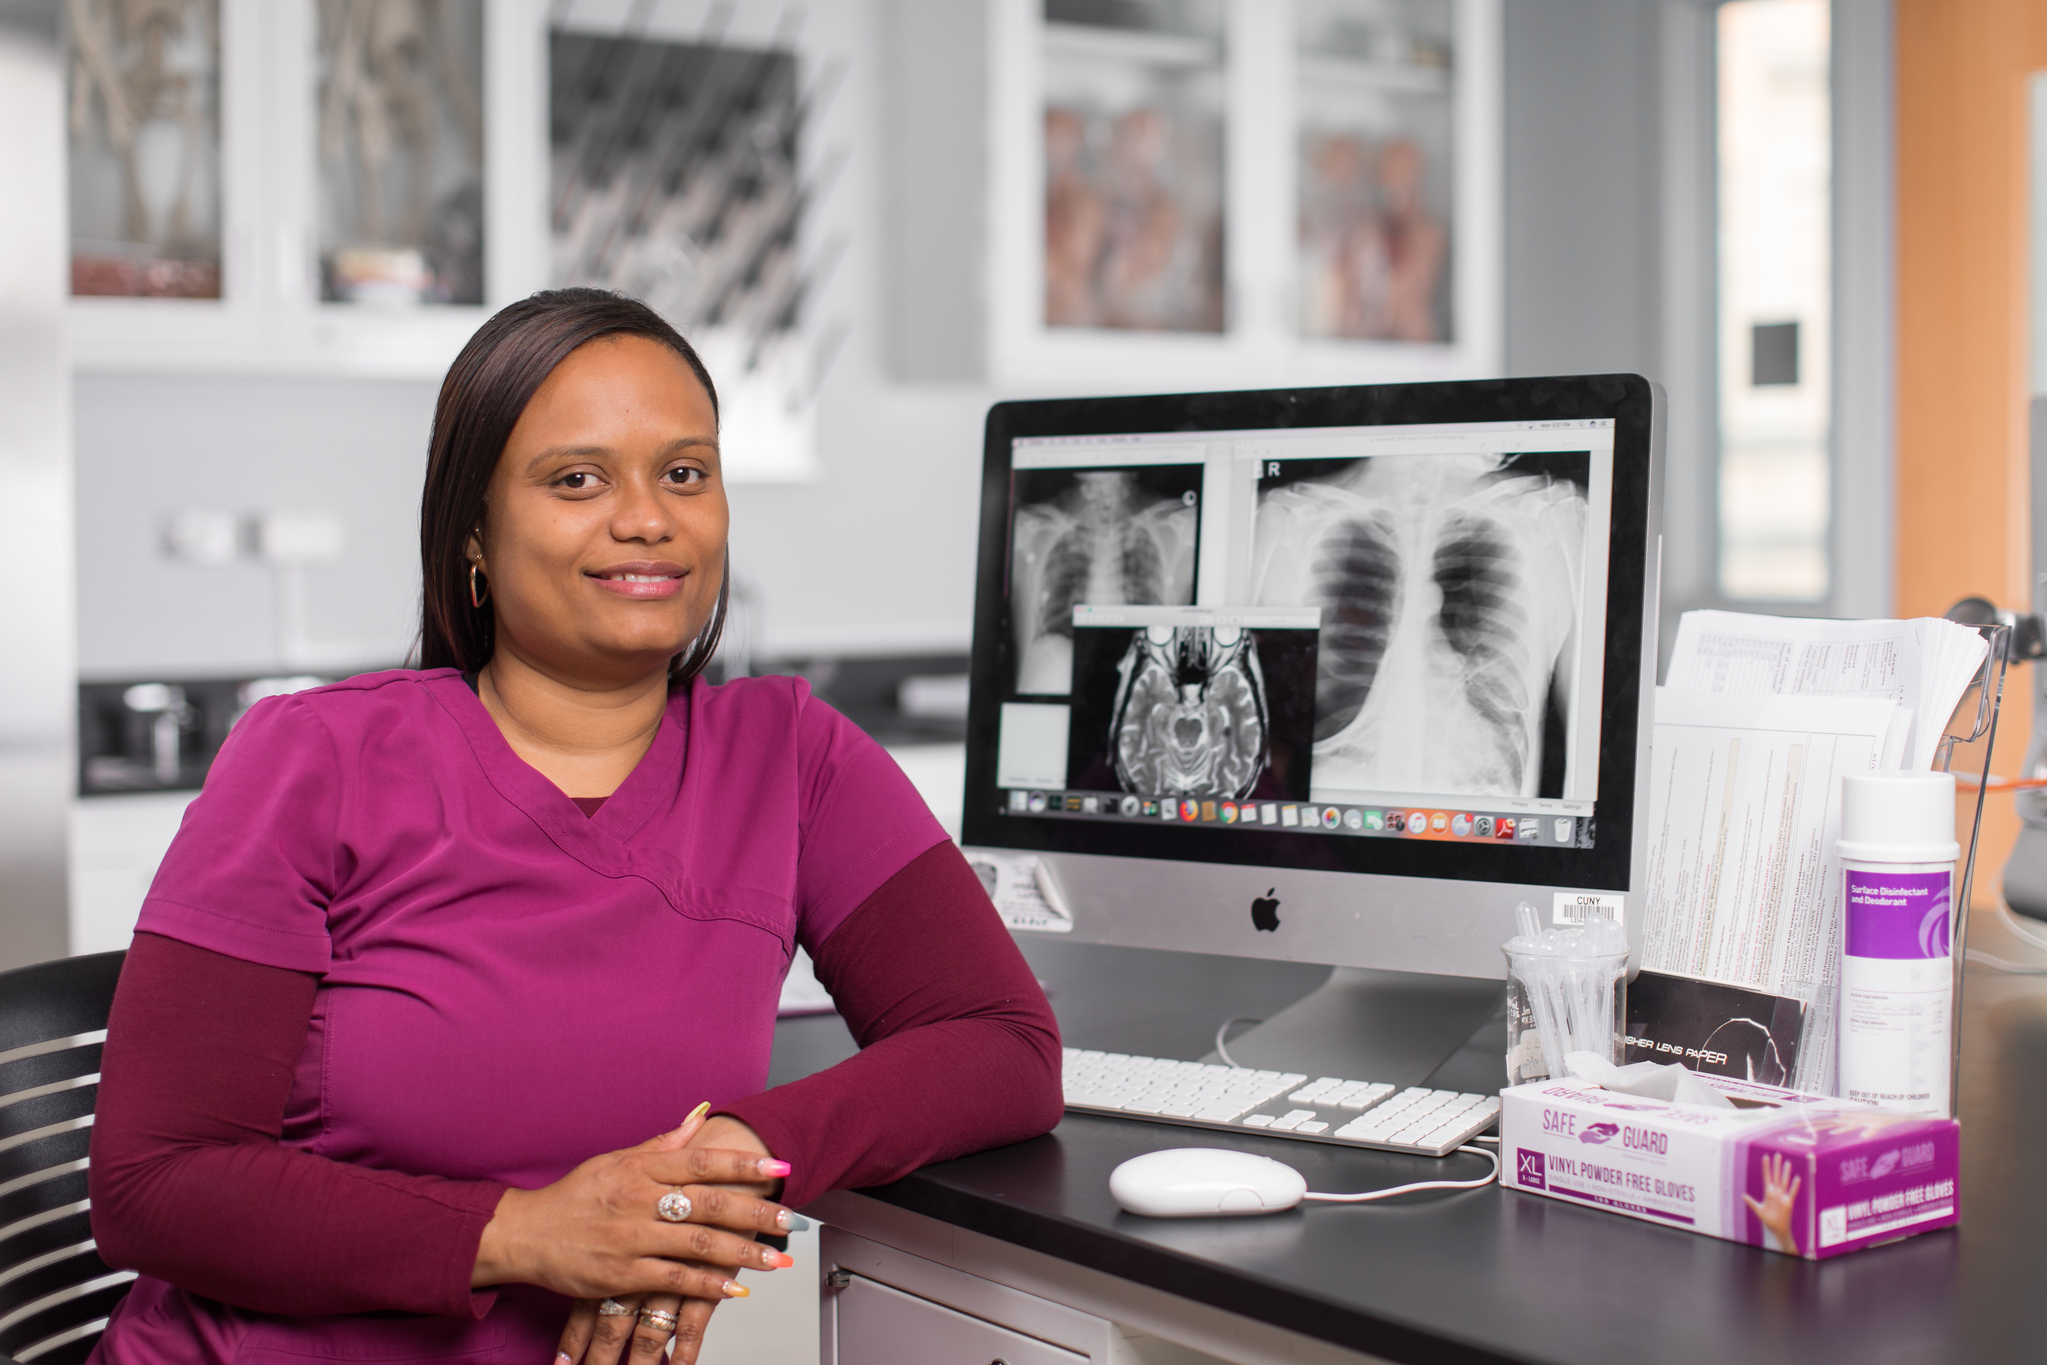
x,y
1135,115
1242,192
306,186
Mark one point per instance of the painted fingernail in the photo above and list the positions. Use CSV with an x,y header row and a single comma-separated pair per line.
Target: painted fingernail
x,y
697,1113
770,1166
779,1260
735,1290
564,1358
791,1222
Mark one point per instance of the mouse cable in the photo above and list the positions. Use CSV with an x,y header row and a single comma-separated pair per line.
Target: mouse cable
x,y
1491,1176
1223,1032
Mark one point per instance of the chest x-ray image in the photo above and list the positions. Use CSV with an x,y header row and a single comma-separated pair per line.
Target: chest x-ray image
x,y
1450,589
1103,537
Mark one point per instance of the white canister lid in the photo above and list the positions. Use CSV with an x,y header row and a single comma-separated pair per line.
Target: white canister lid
x,y
1898,818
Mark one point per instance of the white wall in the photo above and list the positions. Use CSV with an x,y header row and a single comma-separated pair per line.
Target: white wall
x,y
37,682
148,444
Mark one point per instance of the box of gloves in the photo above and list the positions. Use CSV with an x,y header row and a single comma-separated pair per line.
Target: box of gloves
x,y
1803,1174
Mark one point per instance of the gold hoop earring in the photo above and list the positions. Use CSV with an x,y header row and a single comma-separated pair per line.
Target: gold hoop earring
x,y
476,599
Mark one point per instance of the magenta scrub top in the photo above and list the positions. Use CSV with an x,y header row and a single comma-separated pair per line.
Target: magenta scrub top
x,y
510,987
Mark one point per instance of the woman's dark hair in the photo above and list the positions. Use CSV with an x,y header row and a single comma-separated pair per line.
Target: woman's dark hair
x,y
486,390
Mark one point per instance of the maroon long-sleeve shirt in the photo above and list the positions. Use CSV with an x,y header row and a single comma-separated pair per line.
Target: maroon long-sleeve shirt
x,y
190,1184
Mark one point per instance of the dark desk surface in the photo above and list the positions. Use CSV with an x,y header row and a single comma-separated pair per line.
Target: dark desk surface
x,y
1492,1275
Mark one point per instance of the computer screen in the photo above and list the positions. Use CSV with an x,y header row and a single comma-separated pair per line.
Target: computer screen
x,y
1382,651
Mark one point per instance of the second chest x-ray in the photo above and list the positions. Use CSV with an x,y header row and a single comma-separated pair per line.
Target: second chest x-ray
x,y
1450,590
1097,536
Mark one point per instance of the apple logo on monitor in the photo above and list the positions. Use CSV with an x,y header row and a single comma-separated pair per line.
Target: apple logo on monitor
x,y
1265,912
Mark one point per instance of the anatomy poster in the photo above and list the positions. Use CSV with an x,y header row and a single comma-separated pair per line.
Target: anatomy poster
x,y
676,177
1103,537
1450,590
1169,710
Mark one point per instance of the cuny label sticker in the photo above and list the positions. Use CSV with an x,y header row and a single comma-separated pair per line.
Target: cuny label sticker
x,y
1575,907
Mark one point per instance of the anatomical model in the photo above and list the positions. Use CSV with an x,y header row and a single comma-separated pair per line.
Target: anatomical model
x,y
1132,232
390,62
1449,587
119,57
1075,222
1100,544
1373,253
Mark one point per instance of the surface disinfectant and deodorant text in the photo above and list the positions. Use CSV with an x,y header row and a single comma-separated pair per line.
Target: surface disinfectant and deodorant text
x,y
1898,854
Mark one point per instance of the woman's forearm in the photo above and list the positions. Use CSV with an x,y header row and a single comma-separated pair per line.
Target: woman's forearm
x,y
501,1252
929,1094
190,1184
959,1049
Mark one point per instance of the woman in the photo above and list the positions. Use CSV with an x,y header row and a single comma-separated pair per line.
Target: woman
x,y
437,950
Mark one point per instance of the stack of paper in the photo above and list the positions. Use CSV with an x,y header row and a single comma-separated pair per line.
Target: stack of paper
x,y
1760,719
1924,665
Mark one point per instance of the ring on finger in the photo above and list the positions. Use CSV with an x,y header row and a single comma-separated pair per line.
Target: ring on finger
x,y
612,1308
674,1207
659,1317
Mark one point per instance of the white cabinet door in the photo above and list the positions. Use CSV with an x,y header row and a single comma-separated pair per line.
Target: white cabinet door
x,y
878,1325
116,844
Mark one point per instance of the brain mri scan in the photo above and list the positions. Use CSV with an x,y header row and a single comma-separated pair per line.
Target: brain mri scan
x,y
1097,536
1190,717
1449,587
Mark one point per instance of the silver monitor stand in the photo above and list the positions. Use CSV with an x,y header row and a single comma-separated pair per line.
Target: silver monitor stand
x,y
1364,1024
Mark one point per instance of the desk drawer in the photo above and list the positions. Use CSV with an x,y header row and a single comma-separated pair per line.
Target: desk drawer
x,y
878,1325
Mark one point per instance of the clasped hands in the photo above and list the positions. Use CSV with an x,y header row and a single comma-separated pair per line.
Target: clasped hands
x,y
598,1235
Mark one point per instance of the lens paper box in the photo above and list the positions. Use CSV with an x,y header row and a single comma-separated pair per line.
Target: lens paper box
x,y
1807,1175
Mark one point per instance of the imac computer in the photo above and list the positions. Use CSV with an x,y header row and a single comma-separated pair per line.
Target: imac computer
x,y
1330,675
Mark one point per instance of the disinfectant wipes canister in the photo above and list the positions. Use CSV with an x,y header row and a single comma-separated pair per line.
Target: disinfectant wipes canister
x,y
1898,854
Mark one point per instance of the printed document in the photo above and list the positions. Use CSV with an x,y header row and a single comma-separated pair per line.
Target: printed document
x,y
1925,665
1744,885
1023,890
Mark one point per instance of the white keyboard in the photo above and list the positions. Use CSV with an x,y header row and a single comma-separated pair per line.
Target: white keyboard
x,y
1349,1113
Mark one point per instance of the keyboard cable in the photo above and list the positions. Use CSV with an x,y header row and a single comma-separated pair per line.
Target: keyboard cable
x,y
1222,1051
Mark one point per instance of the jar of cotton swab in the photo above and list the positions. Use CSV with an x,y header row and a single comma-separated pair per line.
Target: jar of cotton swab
x,y
1566,992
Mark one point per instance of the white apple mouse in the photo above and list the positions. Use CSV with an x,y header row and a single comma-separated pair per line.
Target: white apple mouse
x,y
1204,1182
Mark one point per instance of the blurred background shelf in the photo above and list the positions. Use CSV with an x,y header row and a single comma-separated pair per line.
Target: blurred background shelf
x,y
1129,45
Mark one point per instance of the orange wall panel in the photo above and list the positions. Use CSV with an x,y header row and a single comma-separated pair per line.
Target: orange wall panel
x,y
1962,483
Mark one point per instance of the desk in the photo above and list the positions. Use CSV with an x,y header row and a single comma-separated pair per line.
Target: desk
x,y
1488,1275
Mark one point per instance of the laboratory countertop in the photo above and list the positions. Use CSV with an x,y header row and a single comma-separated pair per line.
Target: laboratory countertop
x,y
1491,1274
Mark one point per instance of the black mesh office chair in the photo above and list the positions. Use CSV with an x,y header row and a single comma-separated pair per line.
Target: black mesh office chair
x,y
55,1291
